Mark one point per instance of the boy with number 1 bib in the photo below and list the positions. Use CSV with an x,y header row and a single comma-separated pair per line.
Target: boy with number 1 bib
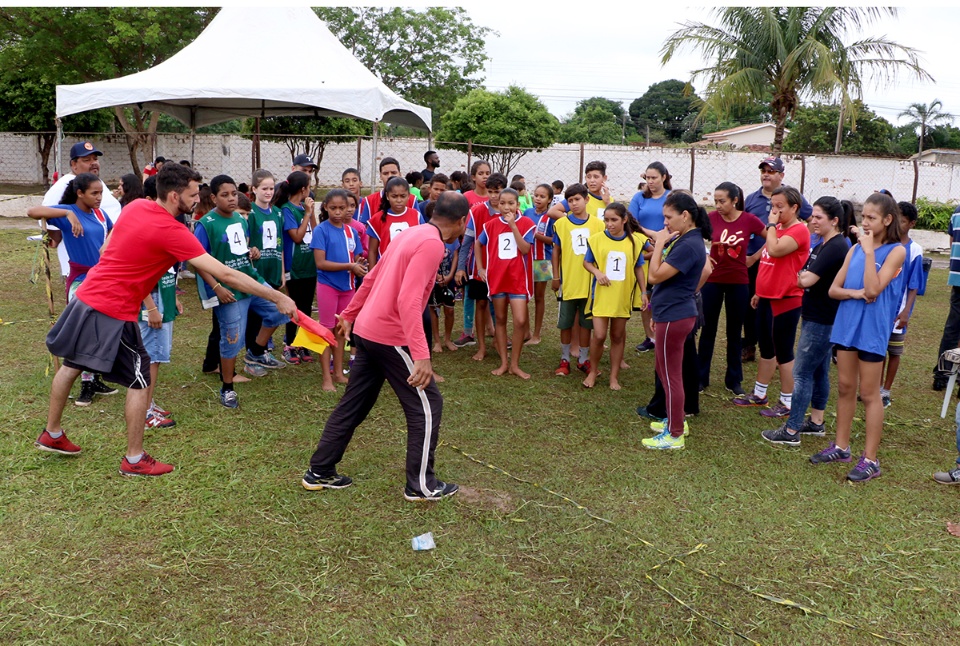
x,y
571,280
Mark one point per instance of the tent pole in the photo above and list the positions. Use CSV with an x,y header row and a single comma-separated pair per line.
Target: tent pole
x,y
193,135
373,163
57,148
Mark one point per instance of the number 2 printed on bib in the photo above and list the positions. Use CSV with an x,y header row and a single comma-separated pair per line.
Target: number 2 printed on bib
x,y
237,238
617,265
269,235
579,239
506,246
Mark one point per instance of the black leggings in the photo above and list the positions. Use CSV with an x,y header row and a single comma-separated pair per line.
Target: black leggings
x,y
736,299
302,291
776,335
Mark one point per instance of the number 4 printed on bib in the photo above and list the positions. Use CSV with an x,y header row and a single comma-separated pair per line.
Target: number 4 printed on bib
x,y
269,235
237,238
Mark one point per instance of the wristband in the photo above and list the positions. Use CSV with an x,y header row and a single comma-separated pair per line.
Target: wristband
x,y
214,288
152,309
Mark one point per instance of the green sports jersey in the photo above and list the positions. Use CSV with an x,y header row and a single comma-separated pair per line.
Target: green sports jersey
x,y
265,227
227,238
165,297
298,257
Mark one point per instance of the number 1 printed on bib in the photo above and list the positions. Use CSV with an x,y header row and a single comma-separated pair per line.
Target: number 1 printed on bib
x,y
579,238
616,265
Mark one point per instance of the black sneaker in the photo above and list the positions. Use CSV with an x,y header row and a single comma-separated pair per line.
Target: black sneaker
x,y
87,391
313,482
736,389
781,436
809,428
443,490
100,387
940,383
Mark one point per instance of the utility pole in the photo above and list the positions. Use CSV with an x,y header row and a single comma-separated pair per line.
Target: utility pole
x,y
623,130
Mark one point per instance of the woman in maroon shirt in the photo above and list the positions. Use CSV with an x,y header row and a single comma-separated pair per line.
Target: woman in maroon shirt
x,y
729,283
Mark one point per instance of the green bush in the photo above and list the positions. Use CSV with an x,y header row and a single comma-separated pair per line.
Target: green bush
x,y
934,216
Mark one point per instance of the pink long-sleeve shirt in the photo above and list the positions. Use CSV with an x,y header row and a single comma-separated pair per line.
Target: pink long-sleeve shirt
x,y
389,306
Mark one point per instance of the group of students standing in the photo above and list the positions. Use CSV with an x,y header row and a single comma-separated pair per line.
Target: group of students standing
x,y
770,269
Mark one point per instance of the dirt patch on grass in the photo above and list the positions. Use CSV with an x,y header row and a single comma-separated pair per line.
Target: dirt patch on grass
x,y
488,499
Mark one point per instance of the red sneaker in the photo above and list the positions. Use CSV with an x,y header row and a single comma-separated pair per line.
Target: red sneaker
x,y
156,421
584,367
147,466
60,445
159,411
564,368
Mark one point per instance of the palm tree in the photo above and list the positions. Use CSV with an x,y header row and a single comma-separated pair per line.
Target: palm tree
x,y
924,116
792,53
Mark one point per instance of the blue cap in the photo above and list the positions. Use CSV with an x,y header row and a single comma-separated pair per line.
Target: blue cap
x,y
82,149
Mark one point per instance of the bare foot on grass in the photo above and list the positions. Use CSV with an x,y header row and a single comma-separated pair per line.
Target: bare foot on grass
x,y
480,355
437,348
623,365
534,340
499,372
954,529
520,373
340,379
241,379
449,346
329,387
437,378
614,384
591,380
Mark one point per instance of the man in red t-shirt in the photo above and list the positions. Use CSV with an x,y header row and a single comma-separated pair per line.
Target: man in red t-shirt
x,y
98,330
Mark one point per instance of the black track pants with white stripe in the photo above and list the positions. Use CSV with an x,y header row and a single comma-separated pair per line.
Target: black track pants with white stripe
x,y
375,363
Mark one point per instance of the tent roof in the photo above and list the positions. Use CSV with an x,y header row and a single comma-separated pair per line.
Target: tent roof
x,y
228,72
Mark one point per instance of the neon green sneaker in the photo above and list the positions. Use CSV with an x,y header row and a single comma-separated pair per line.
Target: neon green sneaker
x,y
663,441
661,426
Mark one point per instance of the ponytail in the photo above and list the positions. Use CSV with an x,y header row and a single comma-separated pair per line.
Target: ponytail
x,y
837,210
81,183
385,203
682,201
734,192
295,182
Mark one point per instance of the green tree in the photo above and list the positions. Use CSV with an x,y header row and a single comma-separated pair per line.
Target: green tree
x,y
597,120
66,45
924,116
945,136
310,135
503,126
665,106
595,123
814,131
790,52
431,57
27,105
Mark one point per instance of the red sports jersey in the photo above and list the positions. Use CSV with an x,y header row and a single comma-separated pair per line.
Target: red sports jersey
x,y
371,205
384,231
508,270
480,214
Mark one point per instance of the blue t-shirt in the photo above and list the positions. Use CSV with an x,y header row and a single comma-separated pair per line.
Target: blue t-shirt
x,y
866,326
446,264
759,204
648,211
337,243
673,299
84,250
290,222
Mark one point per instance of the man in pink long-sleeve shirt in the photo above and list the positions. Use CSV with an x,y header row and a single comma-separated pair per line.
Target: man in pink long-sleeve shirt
x,y
386,316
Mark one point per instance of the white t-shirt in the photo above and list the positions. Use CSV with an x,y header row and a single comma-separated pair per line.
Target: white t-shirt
x,y
109,205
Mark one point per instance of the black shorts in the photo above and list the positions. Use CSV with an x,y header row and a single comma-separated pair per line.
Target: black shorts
x,y
477,290
863,355
90,340
442,295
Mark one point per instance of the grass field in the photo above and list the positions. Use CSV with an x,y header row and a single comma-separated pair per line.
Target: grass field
x,y
589,540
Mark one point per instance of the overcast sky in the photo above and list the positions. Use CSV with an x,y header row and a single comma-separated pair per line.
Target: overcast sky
x,y
562,60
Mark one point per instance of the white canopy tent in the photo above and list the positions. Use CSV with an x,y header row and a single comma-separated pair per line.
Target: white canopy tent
x,y
248,62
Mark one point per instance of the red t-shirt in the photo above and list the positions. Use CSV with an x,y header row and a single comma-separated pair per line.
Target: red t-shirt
x,y
777,277
474,199
145,243
385,231
508,271
150,170
729,247
371,205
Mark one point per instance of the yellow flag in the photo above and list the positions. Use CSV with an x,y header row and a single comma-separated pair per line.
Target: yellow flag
x,y
310,341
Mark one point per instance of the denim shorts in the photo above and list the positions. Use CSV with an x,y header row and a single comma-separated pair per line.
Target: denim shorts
x,y
233,322
157,342
513,297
